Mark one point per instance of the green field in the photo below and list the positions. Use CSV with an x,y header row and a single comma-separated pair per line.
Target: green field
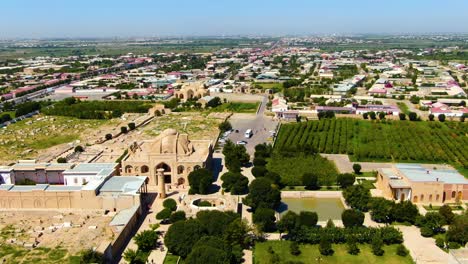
x,y
310,253
171,259
403,107
15,254
237,107
398,141
291,169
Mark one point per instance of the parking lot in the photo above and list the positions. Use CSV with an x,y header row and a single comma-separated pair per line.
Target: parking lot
x,y
261,126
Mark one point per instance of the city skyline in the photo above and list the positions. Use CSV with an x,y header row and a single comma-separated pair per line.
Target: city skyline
x,y
56,19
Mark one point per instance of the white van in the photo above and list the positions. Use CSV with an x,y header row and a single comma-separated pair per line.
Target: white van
x,y
248,133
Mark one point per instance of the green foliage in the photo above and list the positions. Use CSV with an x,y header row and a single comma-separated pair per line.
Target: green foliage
x,y
352,218
413,116
308,219
225,126
214,102
131,126
381,210
357,197
325,246
108,136
402,251
123,130
97,109
440,242
402,116
345,180
458,230
79,148
430,142
200,181
235,183
91,256
352,247
294,249
146,240
441,117
26,108
310,181
61,160
264,218
235,156
170,204
426,231
357,168
262,194
259,171
376,245
291,168
446,212
182,235
135,256
164,214
405,212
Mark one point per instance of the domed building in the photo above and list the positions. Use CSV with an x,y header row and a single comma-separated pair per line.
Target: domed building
x,y
191,90
171,151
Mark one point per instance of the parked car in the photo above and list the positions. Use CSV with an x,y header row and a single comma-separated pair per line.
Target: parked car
x,y
241,142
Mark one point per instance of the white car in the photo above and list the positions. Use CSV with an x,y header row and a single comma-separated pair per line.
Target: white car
x,y
242,142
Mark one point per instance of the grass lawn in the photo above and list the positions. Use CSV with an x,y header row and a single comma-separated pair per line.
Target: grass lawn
x,y
23,139
291,169
171,259
266,85
367,184
403,107
16,254
367,174
310,253
436,207
237,107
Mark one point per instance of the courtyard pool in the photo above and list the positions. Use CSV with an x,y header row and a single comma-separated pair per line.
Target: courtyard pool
x,y
326,208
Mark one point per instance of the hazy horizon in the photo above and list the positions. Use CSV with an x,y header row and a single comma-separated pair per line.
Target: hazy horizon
x,y
144,18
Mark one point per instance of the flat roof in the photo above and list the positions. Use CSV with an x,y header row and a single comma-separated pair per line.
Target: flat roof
x,y
123,216
123,184
417,173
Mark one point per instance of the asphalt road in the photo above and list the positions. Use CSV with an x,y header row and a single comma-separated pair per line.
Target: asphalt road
x,y
260,125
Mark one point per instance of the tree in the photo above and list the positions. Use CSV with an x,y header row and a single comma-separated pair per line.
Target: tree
x,y
294,249
441,117
134,256
164,214
381,210
262,194
310,180
61,160
146,240
235,156
458,230
352,247
92,256
259,171
446,212
372,115
381,115
345,180
79,148
182,235
308,219
200,181
365,115
235,183
259,161
376,245
357,197
352,218
177,216
225,126
170,204
431,117
214,102
108,136
405,212
357,168
402,251
402,116
131,126
325,246
265,219
123,130
237,233
288,222
412,116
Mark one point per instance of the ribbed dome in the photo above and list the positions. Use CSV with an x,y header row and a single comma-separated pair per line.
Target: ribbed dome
x,y
171,142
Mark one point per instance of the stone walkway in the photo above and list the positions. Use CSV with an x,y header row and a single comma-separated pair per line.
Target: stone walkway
x,y
344,165
422,249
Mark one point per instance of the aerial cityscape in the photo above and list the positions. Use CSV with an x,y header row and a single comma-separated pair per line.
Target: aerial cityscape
x,y
216,132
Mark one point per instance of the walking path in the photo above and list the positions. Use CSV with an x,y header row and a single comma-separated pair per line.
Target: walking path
x,y
422,249
344,165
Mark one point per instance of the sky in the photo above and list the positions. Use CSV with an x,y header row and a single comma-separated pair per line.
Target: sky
x,y
156,18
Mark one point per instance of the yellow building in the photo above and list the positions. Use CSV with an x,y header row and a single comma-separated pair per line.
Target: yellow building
x,y
423,184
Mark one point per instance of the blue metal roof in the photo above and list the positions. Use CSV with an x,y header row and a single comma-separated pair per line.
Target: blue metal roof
x,y
417,173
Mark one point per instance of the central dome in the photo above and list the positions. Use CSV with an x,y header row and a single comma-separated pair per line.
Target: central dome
x,y
172,142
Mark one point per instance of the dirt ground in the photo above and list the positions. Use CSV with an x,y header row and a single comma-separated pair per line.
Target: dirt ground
x,y
66,231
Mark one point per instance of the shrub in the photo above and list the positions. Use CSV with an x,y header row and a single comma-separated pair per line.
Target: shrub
x,y
402,116
108,136
262,194
345,180
170,204
453,245
431,117
376,245
146,240
426,231
440,242
308,218
357,168
259,161
259,171
352,247
225,126
325,246
123,130
294,249
441,117
412,116
164,214
310,180
79,149
177,216
446,212
352,218
61,160
357,197
131,126
264,218
402,251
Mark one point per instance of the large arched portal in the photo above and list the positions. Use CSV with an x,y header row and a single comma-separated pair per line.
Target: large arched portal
x,y
167,171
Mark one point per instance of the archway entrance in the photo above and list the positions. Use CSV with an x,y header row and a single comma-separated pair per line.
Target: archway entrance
x,y
180,181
